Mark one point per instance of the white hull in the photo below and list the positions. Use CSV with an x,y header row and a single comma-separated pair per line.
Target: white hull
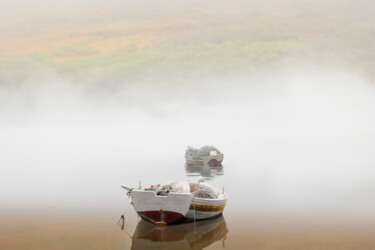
x,y
206,208
177,207
161,209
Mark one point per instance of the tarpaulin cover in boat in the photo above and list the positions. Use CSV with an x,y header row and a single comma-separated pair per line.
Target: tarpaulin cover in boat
x,y
180,186
209,192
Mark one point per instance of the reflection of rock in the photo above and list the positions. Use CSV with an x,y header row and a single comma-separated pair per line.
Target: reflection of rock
x,y
183,236
204,170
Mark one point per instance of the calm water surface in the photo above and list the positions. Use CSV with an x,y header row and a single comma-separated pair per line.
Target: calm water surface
x,y
243,225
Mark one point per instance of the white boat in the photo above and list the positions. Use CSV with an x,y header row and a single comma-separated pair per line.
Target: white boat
x,y
176,202
182,236
206,155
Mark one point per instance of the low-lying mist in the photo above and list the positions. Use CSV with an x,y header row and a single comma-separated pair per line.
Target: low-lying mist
x,y
297,140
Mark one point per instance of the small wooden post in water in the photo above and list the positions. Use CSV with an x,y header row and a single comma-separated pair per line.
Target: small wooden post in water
x,y
161,222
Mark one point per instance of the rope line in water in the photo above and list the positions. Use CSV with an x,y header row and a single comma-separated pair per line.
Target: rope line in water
x,y
122,219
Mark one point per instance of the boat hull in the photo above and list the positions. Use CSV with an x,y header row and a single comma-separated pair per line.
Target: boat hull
x,y
161,210
201,209
162,217
179,207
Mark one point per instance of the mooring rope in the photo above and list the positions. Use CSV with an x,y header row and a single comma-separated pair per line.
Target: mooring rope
x,y
122,218
123,215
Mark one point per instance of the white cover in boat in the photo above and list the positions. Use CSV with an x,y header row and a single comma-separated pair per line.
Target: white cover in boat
x,y
180,186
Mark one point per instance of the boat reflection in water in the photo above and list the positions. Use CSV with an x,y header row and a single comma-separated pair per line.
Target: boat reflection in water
x,y
183,236
206,171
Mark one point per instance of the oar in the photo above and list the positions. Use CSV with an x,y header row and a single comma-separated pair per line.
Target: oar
x,y
125,187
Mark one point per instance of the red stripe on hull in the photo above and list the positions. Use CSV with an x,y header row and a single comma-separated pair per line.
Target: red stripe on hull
x,y
158,217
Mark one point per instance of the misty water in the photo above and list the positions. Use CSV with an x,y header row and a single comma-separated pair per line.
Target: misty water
x,y
298,150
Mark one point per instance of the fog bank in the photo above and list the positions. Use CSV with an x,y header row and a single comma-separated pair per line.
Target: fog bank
x,y
296,140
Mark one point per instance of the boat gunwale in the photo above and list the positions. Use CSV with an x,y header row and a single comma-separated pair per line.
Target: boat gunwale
x,y
160,196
